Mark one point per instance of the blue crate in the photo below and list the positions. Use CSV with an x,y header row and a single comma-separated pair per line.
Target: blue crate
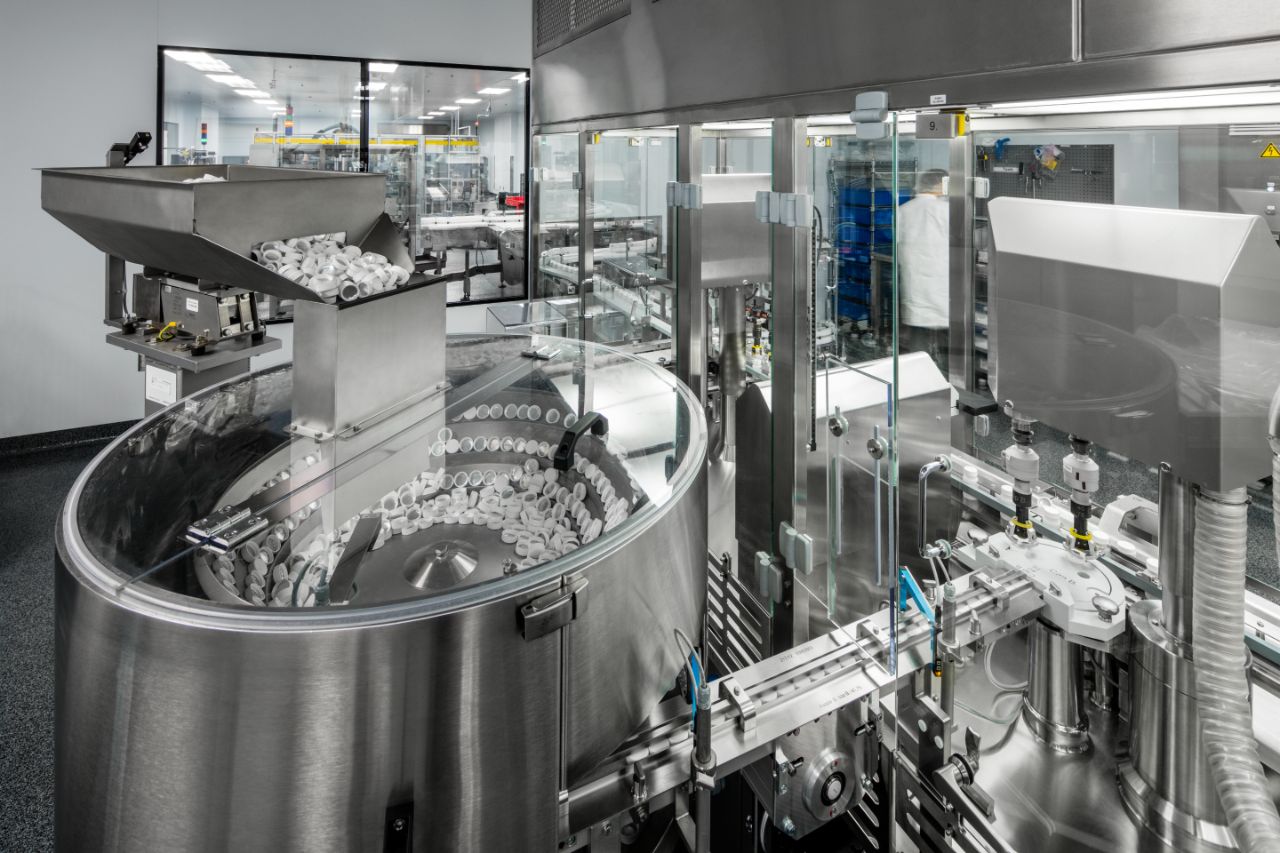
x,y
855,271
864,197
853,308
848,233
866,216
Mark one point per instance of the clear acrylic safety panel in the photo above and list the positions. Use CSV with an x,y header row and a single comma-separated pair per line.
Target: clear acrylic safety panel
x,y
554,253
453,492
856,185
632,298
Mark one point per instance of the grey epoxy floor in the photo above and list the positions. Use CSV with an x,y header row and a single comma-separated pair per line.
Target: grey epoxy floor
x,y
32,489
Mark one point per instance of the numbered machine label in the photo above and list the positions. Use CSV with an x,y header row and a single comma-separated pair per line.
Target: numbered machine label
x,y
162,385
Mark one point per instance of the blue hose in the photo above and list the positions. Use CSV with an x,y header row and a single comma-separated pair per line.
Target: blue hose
x,y
693,688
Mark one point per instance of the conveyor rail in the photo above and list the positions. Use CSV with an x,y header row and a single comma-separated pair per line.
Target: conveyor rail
x,y
786,691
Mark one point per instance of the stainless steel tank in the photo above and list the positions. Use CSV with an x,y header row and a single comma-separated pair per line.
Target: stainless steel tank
x,y
440,697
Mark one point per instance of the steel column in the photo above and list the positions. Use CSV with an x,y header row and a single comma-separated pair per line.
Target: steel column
x,y
691,299
962,361
532,227
790,332
1177,552
586,228
792,371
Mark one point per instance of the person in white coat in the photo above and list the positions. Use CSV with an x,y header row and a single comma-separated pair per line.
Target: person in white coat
x,y
924,280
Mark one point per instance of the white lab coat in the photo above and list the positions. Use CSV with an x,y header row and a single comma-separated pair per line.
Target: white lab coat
x,y
924,245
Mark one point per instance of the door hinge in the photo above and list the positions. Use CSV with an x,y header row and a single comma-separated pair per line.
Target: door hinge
x,y
796,548
769,577
555,609
684,196
794,210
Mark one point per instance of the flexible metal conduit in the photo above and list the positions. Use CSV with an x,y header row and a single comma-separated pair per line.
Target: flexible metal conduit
x,y
1222,689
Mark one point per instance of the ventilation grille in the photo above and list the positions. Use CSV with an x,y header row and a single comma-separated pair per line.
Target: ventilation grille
x,y
561,21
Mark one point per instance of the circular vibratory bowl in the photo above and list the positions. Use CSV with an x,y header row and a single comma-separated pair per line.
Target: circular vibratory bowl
x,y
410,627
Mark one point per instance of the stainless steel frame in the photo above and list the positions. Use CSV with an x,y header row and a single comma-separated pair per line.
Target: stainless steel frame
x,y
691,300
1008,52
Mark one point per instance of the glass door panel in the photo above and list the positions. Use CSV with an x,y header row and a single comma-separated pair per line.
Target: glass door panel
x,y
633,295
554,218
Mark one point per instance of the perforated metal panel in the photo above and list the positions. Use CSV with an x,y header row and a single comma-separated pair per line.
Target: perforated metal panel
x,y
1086,173
560,21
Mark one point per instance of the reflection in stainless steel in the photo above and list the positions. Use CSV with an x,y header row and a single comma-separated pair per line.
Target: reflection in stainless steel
x,y
441,564
298,728
1154,333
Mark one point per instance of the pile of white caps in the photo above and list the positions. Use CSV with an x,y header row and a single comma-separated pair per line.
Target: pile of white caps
x,y
540,513
331,269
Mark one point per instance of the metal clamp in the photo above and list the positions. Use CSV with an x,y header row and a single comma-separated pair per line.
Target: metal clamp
x,y
731,691
994,587
940,548
553,611
225,529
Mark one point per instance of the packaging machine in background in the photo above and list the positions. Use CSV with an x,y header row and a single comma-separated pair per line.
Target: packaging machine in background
x,y
752,576
1097,430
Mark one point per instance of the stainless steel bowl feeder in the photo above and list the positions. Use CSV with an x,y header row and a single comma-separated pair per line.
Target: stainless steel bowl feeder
x,y
435,686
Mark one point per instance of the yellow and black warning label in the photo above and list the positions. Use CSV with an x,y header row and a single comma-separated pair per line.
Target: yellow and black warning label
x,y
1271,151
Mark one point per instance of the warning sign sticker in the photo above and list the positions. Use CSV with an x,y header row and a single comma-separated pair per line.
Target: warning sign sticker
x,y
1271,151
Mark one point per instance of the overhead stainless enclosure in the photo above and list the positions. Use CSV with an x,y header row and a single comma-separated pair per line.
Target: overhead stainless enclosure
x,y
1155,333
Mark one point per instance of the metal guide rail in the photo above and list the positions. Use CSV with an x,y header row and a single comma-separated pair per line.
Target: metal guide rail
x,y
762,702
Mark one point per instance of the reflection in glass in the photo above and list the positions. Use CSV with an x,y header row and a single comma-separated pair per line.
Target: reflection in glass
x,y
451,142
523,462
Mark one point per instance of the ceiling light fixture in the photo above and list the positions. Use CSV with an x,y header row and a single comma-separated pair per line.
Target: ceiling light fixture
x,y
383,67
375,86
1237,96
233,81
492,90
467,100
199,60
251,93
521,77
450,107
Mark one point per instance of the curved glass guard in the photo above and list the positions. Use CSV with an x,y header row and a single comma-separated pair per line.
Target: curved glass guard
x,y
537,448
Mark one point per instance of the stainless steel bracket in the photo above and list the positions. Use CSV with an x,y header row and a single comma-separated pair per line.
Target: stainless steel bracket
x,y
731,691
994,587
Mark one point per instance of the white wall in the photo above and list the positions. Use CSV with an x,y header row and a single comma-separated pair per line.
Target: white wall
x,y
80,75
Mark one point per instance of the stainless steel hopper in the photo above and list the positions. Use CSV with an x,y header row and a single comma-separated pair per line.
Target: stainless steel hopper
x,y
148,216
